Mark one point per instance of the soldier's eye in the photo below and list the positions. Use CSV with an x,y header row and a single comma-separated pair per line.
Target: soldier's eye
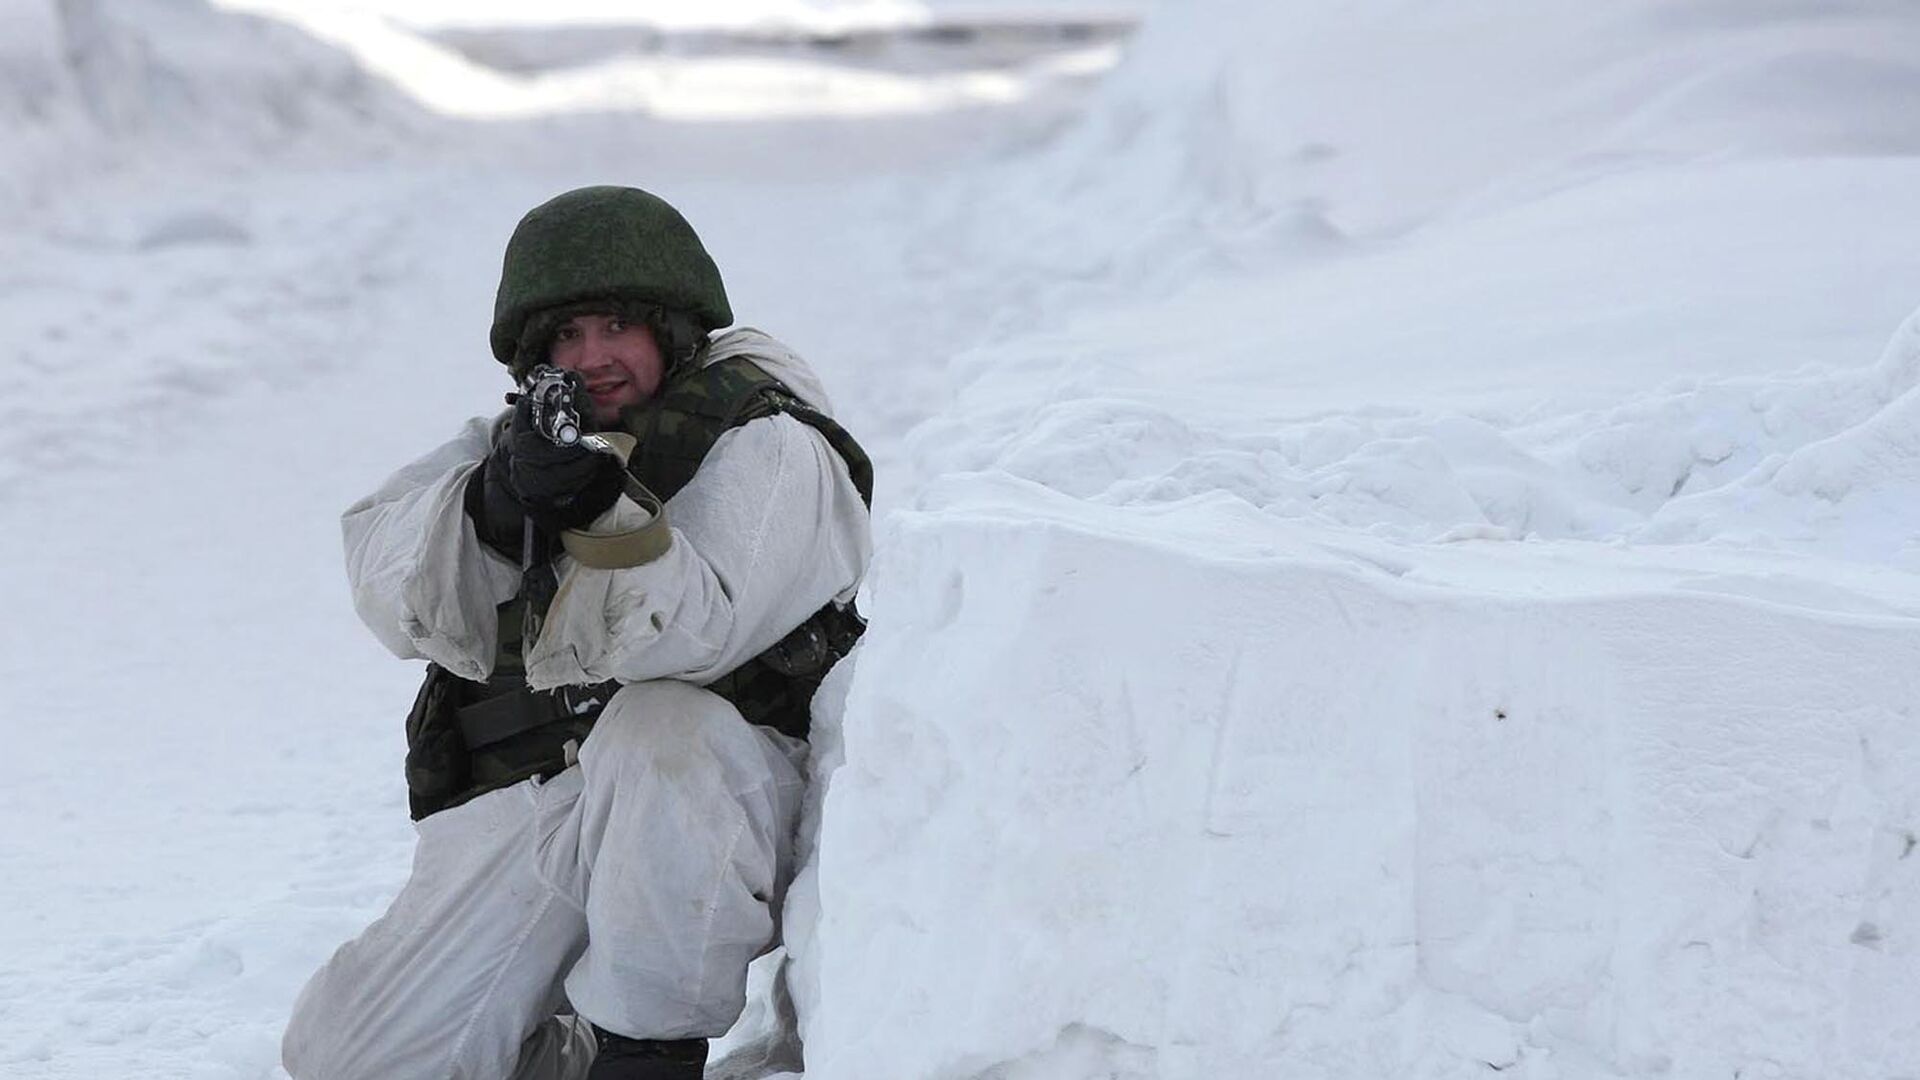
x,y
616,324
566,333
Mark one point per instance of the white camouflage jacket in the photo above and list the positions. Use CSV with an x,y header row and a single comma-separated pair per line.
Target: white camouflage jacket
x,y
770,529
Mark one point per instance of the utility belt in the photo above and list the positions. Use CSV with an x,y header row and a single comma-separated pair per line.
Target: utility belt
x,y
467,738
513,710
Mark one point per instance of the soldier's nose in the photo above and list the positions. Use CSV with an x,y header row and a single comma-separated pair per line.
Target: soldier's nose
x,y
595,355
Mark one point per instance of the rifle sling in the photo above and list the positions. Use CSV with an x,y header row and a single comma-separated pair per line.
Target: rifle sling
x,y
632,547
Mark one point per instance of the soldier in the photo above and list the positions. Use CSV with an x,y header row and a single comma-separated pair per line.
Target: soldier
x,y
604,762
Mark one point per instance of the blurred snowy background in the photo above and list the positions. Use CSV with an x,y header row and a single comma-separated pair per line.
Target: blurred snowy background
x,y
1398,524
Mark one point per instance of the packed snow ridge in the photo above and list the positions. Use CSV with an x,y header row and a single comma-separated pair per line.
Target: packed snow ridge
x,y
1436,598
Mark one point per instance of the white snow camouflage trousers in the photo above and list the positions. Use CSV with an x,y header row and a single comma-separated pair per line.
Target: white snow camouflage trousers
x,y
637,886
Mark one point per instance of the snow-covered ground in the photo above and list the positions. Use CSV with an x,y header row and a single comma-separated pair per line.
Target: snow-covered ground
x,y
1397,544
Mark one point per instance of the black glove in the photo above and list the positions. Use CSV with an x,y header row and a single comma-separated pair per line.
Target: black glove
x,y
559,487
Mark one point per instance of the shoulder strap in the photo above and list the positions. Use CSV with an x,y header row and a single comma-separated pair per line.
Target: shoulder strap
x,y
859,465
677,429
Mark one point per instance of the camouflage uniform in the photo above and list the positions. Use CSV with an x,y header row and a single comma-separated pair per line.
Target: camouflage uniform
x,y
635,885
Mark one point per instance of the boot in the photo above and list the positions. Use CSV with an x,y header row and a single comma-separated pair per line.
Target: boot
x,y
620,1058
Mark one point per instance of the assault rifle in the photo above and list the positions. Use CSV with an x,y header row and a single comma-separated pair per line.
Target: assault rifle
x,y
556,396
556,400
553,404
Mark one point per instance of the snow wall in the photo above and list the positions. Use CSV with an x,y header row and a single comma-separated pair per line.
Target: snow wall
x,y
1129,782
1184,794
1215,724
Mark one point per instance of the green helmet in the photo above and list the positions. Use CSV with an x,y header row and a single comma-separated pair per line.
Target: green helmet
x,y
615,245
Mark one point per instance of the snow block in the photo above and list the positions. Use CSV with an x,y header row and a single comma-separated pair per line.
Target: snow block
x,y
1184,792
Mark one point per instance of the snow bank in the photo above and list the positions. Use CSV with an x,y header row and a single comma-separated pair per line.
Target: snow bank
x,y
1550,277
38,99
1422,585
1176,792
87,84
183,73
1239,134
1819,461
1851,487
1196,737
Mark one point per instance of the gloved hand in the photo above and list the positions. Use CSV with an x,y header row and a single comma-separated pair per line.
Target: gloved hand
x,y
559,487
529,476
497,516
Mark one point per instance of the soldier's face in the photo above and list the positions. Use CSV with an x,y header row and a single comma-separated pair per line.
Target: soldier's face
x,y
619,360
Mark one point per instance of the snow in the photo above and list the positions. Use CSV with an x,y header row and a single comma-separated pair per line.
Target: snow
x,y
815,16
1397,527
1246,801
1440,599
671,72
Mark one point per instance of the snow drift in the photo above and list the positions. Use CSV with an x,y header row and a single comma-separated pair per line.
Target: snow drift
x,y
1424,589
1395,745
92,84
1182,793
1818,460
1239,135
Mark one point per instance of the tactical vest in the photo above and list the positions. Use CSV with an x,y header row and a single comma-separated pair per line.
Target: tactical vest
x,y
467,738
